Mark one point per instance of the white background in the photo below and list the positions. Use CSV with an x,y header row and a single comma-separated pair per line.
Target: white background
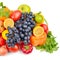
x,y
51,10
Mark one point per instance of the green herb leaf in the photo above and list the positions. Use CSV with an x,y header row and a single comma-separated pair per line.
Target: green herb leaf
x,y
50,45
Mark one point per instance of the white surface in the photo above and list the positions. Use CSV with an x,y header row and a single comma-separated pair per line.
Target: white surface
x,y
51,11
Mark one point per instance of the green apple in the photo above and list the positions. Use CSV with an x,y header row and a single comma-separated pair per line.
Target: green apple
x,y
24,8
39,18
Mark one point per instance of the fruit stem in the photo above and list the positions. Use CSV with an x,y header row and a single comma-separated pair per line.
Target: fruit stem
x,y
46,21
26,47
1,4
39,12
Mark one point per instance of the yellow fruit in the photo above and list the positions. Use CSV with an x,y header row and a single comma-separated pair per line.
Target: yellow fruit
x,y
8,23
38,31
4,34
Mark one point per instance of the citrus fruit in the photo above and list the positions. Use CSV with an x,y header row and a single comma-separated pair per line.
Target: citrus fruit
x,y
8,23
42,39
4,34
38,31
35,41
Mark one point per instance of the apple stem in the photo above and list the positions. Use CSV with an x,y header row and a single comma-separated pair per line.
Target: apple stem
x,y
39,12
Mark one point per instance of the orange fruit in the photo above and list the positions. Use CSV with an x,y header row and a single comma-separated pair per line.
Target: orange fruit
x,y
4,34
42,39
38,31
8,22
35,41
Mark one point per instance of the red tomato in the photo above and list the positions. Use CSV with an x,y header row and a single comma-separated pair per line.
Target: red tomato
x,y
16,15
2,41
3,50
13,49
45,27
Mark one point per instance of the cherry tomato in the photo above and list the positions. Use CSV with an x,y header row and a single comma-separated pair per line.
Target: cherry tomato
x,y
3,51
27,48
2,41
45,27
16,15
13,49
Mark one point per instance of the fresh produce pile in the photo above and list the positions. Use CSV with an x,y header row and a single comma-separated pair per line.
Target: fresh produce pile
x,y
21,30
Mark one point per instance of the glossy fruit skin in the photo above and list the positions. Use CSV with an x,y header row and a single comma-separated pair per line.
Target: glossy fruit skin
x,y
13,49
3,50
2,41
38,31
39,18
16,15
24,8
5,11
8,22
4,34
43,39
27,51
45,27
35,41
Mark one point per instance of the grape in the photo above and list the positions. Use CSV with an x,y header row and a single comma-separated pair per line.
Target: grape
x,y
22,30
25,42
22,35
25,38
7,35
10,30
26,33
29,28
24,26
29,33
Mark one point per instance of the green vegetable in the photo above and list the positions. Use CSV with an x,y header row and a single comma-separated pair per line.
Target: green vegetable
x,y
50,45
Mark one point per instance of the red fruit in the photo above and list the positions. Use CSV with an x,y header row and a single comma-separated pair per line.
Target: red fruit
x,y
3,51
16,15
27,48
13,49
2,41
45,27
